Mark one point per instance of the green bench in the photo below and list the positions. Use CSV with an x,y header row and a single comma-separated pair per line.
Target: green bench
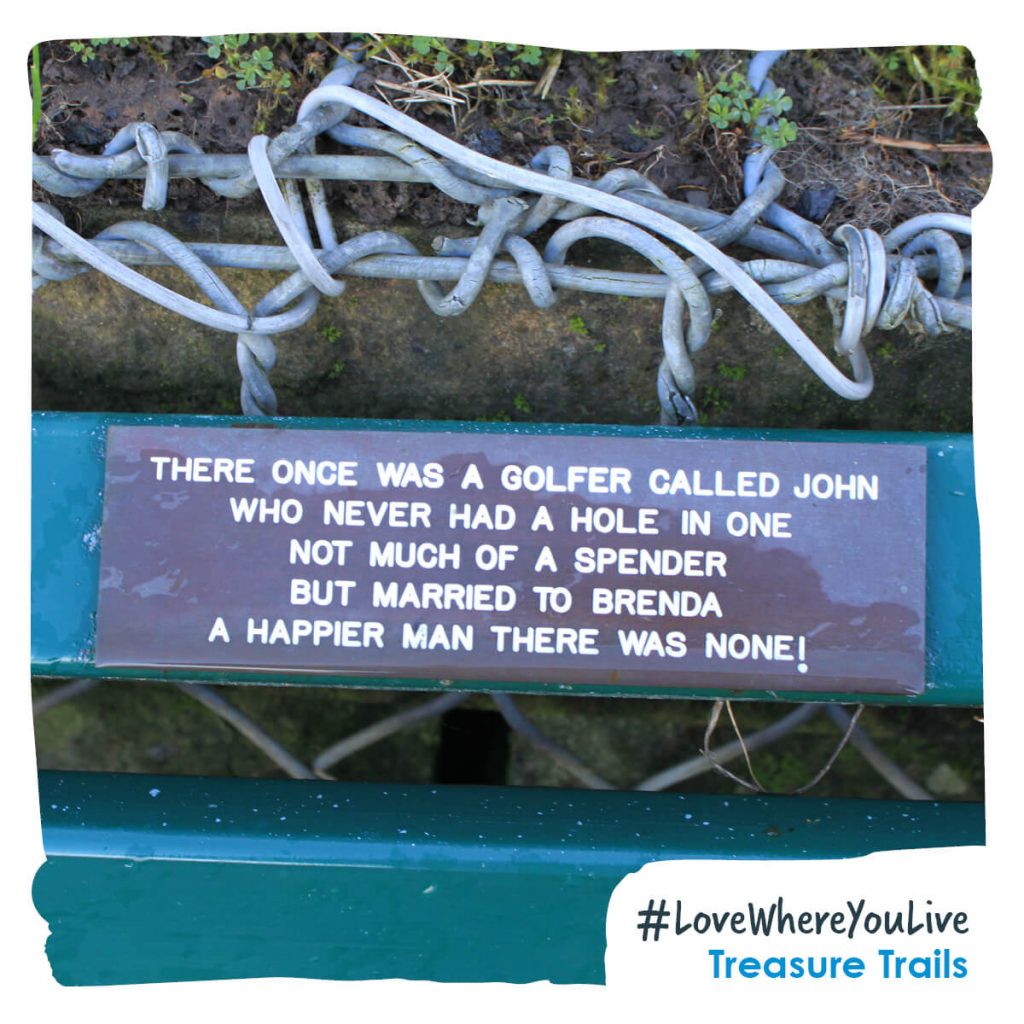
x,y
156,878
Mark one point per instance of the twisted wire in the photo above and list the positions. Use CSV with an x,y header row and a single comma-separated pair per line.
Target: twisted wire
x,y
869,281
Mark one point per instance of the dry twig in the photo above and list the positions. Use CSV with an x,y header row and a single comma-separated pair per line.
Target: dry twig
x,y
849,135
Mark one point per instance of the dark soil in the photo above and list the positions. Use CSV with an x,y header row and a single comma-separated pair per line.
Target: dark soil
x,y
638,109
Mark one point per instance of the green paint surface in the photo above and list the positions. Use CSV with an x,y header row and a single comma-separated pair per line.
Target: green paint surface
x,y
153,878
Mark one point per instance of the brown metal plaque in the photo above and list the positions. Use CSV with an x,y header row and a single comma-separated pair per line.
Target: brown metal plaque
x,y
621,562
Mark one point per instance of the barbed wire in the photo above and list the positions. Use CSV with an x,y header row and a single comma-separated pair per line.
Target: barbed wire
x,y
869,280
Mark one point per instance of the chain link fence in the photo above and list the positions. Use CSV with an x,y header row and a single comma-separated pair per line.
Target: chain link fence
x,y
599,743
